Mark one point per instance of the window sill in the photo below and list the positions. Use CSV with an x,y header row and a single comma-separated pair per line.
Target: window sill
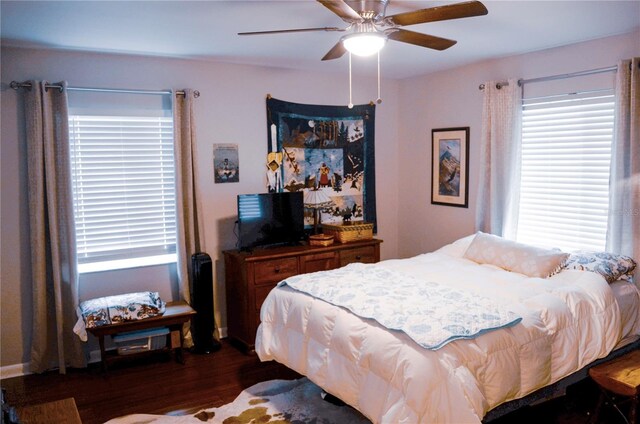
x,y
126,263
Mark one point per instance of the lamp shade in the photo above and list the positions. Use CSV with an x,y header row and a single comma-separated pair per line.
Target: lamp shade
x,y
316,199
364,44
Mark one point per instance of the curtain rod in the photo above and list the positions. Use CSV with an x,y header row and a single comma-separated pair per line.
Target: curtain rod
x,y
521,82
557,96
15,85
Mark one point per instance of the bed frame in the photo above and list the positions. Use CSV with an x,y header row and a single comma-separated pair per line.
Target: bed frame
x,y
556,389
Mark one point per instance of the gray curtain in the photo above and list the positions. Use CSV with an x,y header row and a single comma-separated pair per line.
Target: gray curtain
x,y
52,231
499,180
623,231
189,237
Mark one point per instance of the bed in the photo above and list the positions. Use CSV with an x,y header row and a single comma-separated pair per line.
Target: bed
x,y
553,328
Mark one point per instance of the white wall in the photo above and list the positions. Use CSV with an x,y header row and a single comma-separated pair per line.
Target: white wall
x,y
231,109
452,99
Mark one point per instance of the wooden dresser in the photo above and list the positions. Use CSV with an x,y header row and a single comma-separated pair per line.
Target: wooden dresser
x,y
250,276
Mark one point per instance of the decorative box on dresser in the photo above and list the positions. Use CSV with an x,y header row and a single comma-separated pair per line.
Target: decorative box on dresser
x,y
250,276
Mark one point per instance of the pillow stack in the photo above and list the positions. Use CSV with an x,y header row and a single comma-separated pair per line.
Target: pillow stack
x,y
537,262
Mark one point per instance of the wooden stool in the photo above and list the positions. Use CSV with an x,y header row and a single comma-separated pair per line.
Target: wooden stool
x,y
621,377
59,411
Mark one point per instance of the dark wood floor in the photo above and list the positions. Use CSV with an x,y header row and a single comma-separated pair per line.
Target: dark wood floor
x,y
151,385
158,385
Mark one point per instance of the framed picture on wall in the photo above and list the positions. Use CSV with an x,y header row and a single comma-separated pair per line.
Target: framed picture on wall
x,y
450,166
225,163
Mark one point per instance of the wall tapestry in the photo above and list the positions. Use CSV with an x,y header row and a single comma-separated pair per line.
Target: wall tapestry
x,y
325,148
225,163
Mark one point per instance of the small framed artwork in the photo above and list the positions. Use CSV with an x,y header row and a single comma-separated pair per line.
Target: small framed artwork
x,y
225,163
450,167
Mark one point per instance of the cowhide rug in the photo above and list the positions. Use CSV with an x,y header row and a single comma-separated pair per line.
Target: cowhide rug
x,y
273,402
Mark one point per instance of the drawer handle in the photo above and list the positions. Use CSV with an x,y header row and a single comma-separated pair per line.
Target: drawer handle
x,y
277,269
358,257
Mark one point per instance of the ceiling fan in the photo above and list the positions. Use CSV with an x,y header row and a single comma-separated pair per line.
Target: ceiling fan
x,y
369,28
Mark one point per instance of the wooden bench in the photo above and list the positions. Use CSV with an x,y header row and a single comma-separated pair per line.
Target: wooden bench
x,y
621,377
176,314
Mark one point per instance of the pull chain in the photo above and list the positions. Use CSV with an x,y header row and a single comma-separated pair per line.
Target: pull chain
x,y
350,98
379,99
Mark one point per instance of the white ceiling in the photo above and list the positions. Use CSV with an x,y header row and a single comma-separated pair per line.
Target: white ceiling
x,y
208,30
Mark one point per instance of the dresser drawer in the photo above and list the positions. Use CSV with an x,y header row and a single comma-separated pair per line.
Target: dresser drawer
x,y
364,254
274,270
319,262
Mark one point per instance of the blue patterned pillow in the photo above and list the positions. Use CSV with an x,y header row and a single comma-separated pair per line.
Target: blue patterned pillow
x,y
626,277
610,265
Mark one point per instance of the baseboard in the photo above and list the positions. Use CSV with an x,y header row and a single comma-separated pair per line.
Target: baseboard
x,y
17,370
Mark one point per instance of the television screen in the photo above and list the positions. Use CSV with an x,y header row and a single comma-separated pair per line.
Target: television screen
x,y
269,219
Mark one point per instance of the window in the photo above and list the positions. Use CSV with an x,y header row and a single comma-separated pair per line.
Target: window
x,y
123,190
566,154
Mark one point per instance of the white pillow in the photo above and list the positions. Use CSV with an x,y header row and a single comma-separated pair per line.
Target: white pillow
x,y
516,257
458,247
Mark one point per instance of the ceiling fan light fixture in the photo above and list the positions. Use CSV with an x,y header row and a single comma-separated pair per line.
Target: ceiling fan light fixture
x,y
364,44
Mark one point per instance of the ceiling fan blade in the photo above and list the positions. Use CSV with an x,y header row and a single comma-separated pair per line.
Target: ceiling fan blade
x,y
440,13
419,39
336,52
342,9
281,31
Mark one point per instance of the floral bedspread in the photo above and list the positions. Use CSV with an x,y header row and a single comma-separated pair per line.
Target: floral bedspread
x,y
114,309
432,314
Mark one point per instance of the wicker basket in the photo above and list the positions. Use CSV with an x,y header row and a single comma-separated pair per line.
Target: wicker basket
x,y
344,233
321,240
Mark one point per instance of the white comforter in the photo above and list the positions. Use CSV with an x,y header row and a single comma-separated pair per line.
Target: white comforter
x,y
568,321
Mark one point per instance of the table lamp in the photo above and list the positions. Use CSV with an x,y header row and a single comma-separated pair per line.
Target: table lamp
x,y
316,199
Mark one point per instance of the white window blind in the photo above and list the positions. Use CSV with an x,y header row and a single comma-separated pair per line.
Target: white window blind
x,y
566,154
123,187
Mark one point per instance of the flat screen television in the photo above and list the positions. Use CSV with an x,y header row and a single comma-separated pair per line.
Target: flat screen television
x,y
270,219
